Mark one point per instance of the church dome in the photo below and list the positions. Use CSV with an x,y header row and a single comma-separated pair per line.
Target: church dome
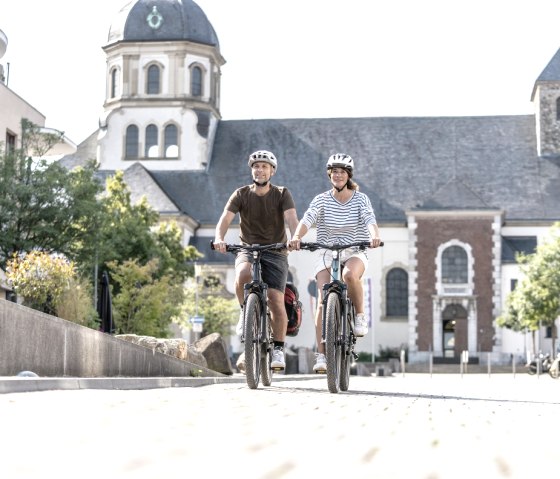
x,y
162,20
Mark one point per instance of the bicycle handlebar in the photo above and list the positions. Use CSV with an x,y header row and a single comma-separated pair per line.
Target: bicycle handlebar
x,y
234,248
333,247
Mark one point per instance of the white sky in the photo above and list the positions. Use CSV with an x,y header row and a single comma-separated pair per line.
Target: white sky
x,y
304,58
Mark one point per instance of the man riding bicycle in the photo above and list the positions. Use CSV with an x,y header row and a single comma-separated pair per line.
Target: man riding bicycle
x,y
341,215
264,211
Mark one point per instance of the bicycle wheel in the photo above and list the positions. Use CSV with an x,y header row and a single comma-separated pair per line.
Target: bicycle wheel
x,y
332,343
252,347
346,354
266,355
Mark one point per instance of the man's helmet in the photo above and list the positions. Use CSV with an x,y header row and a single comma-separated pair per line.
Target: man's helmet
x,y
340,160
263,155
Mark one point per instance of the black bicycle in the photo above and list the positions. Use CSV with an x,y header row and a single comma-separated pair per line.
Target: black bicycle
x,y
338,319
257,329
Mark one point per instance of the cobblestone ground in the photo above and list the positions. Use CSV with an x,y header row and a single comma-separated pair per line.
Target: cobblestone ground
x,y
416,426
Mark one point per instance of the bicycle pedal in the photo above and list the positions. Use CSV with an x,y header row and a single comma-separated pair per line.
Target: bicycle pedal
x,y
324,371
277,369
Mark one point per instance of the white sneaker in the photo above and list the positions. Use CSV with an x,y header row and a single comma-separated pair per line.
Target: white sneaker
x,y
277,359
241,363
320,363
360,326
239,327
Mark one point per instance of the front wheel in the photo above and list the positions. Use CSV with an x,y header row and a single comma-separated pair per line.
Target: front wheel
x,y
252,311
346,353
332,342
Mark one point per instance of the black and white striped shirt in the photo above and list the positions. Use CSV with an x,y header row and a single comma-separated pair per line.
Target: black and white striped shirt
x,y
340,222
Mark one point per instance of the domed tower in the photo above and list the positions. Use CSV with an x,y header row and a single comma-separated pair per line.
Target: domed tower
x,y
162,102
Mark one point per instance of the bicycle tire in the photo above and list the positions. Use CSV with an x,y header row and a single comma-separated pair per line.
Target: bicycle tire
x,y
266,355
332,344
346,354
252,347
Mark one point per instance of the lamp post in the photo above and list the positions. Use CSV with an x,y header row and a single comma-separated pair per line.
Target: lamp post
x,y
196,321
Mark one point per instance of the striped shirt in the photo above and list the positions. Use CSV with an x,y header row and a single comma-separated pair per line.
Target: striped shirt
x,y
340,222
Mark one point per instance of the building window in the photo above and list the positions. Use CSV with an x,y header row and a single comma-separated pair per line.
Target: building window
x,y
558,108
10,143
513,284
131,149
196,81
152,150
153,84
512,246
454,266
397,292
171,147
114,82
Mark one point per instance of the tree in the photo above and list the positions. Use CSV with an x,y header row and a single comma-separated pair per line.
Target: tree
x,y
44,206
219,313
145,304
40,279
535,302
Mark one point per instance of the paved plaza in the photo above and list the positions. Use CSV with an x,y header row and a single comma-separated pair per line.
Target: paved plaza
x,y
412,426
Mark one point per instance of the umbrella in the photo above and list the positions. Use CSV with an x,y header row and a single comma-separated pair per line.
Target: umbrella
x,y
104,306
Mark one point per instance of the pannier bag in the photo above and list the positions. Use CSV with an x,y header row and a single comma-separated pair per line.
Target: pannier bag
x,y
293,309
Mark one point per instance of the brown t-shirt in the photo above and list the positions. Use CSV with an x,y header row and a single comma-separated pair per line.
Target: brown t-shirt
x,y
261,217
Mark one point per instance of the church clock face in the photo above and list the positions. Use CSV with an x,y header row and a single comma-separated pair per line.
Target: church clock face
x,y
154,18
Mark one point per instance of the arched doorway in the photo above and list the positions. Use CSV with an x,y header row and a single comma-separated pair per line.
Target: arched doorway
x,y
455,331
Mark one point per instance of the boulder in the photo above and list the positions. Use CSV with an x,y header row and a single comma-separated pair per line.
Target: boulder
x,y
176,347
214,349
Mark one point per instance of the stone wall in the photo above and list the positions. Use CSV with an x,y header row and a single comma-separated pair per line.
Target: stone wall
x,y
53,347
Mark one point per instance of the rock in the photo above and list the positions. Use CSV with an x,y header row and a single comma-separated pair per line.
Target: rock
x,y
176,347
214,349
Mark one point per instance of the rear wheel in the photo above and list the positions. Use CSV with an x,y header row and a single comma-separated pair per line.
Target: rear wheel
x,y
266,355
252,348
332,346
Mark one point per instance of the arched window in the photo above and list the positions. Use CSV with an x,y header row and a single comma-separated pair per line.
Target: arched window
x,y
152,85
171,148
196,81
114,82
396,287
131,148
454,266
151,149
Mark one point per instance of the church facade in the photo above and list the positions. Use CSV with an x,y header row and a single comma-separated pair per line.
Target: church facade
x,y
455,197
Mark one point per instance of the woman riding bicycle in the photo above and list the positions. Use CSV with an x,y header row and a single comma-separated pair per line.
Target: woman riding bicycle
x,y
341,215
264,210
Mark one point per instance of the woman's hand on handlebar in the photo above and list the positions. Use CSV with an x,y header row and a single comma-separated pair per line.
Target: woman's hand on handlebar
x,y
375,242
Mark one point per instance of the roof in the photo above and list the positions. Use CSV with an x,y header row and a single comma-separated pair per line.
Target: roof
x,y
400,163
162,20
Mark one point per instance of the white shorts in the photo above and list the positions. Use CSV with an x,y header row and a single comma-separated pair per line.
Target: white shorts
x,y
324,258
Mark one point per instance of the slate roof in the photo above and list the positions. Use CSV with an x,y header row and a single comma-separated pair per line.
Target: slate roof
x,y
401,163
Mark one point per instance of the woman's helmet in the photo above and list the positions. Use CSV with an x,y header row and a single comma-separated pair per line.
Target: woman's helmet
x,y
340,160
263,155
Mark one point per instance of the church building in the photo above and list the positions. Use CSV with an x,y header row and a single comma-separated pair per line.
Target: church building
x,y
455,197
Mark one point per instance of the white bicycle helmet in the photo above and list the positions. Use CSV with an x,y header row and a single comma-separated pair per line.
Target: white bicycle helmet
x,y
340,160
263,155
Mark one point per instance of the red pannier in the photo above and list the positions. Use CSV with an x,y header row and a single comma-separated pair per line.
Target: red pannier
x,y
293,309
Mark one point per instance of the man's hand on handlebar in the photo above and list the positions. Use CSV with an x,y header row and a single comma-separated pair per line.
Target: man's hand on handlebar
x,y
219,245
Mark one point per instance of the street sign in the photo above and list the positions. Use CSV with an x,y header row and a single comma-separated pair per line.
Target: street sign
x,y
197,322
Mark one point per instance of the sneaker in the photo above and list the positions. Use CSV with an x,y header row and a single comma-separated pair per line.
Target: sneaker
x,y
240,363
278,359
360,326
239,327
320,363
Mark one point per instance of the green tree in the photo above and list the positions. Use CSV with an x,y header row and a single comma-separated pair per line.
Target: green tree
x,y
219,313
535,302
146,303
43,205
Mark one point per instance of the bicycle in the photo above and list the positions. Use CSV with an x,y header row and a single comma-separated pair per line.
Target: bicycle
x,y
257,329
338,319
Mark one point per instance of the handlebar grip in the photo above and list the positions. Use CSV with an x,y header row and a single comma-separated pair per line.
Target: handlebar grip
x,y
212,244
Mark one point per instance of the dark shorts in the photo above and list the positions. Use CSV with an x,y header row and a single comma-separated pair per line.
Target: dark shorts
x,y
274,268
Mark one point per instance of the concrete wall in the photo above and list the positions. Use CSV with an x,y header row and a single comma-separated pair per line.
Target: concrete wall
x,y
53,347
